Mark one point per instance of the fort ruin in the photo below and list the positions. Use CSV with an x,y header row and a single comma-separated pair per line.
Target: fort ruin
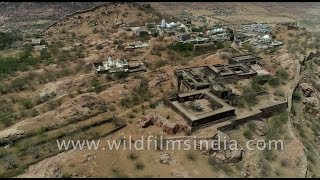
x,y
202,97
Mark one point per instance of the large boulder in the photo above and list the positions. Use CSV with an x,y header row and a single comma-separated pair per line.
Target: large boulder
x,y
235,156
306,89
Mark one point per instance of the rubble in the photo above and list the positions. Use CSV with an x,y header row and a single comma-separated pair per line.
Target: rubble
x,y
147,120
170,128
82,105
159,78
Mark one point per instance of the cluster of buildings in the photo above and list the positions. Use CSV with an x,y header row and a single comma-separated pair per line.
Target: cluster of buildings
x,y
119,65
185,32
258,27
258,35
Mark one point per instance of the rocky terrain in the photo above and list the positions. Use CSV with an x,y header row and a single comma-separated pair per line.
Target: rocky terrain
x,y
60,96
32,17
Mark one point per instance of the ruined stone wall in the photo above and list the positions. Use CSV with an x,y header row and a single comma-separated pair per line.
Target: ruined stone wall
x,y
271,110
266,112
168,103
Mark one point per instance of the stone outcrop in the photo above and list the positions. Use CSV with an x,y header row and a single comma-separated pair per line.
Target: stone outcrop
x,y
311,105
306,89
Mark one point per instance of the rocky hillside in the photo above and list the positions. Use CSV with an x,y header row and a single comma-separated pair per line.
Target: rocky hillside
x,y
32,16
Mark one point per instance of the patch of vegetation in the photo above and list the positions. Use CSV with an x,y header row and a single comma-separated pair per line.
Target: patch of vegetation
x,y
133,156
96,85
6,39
99,47
191,156
139,166
140,94
219,45
22,62
184,48
197,29
144,36
237,102
277,126
18,84
205,49
282,74
26,103
248,134
265,169
45,55
296,95
212,161
10,161
270,155
279,93
252,126
121,75
118,174
284,162
250,95
248,47
262,79
160,64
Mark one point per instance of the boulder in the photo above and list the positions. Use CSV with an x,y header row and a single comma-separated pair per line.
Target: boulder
x,y
165,158
235,156
220,157
306,89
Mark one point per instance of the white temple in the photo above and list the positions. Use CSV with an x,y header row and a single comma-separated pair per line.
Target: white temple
x,y
163,23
